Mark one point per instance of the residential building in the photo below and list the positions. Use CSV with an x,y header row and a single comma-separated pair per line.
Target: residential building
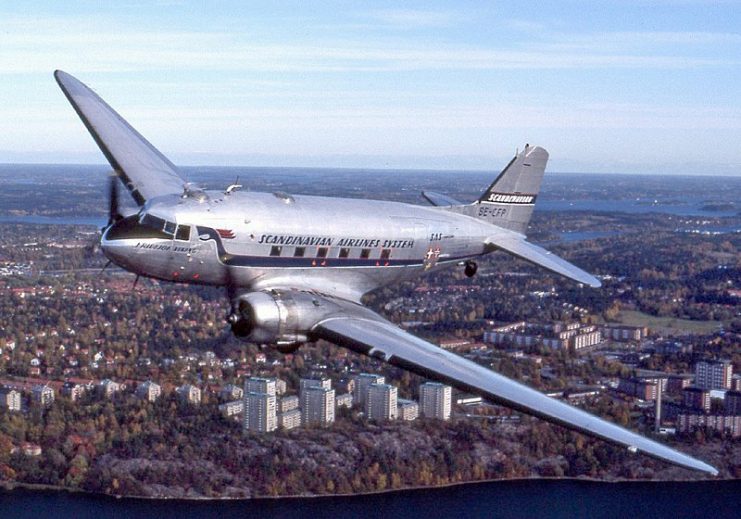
x,y
624,333
149,391
290,419
280,386
675,383
640,388
318,406
231,392
696,398
435,400
554,335
733,402
73,390
307,383
42,394
288,403
260,385
259,411
408,409
232,408
344,400
10,399
108,387
381,402
190,393
714,374
731,425
362,383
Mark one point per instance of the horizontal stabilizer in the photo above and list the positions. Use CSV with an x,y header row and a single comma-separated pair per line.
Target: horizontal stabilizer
x,y
438,199
517,246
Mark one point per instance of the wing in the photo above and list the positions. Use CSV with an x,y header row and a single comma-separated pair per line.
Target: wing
x,y
517,245
146,172
363,331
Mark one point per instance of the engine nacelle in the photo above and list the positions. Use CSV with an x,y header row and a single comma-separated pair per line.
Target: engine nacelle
x,y
280,317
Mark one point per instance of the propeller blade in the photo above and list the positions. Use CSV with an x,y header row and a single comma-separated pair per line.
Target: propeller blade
x,y
113,214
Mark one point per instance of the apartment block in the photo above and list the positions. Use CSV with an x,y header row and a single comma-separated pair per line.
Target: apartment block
x,y
714,374
259,412
362,383
435,400
408,410
318,407
381,402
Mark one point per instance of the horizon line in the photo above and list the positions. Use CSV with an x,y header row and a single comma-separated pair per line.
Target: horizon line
x,y
390,169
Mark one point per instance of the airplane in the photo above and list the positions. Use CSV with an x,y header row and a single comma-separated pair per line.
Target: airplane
x,y
295,267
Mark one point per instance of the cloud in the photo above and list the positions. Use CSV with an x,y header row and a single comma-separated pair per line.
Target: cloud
x,y
41,45
414,18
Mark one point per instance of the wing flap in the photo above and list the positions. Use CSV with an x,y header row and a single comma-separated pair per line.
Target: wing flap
x,y
381,339
516,245
146,172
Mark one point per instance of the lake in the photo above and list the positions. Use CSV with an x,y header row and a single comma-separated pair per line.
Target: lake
x,y
505,499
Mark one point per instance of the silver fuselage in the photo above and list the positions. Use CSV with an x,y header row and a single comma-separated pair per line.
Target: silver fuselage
x,y
259,240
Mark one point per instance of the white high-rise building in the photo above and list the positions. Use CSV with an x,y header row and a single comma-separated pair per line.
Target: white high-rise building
x,y
42,394
189,393
362,383
318,406
149,391
381,402
260,385
435,400
259,412
10,399
306,383
408,409
713,375
290,419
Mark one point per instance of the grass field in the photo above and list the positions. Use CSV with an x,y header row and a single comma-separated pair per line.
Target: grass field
x,y
667,325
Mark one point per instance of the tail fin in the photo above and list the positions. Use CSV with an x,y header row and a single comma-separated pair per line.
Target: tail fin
x,y
510,199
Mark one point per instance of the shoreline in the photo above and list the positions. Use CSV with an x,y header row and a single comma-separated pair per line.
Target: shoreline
x,y
9,486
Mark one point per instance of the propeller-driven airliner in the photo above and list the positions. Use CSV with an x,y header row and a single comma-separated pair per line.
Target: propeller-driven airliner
x,y
296,267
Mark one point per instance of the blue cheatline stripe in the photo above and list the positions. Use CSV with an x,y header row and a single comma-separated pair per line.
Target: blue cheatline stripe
x,y
235,260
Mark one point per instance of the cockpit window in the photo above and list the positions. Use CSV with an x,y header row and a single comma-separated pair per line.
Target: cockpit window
x,y
132,228
183,233
168,229
153,222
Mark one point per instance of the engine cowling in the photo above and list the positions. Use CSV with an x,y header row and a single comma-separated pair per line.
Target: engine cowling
x,y
280,317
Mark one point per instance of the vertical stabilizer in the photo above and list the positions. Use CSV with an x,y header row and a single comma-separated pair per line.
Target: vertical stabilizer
x,y
510,199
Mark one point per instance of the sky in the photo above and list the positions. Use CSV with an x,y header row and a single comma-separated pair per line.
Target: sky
x,y
632,86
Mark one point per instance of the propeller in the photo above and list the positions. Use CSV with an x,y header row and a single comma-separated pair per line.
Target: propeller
x,y
113,213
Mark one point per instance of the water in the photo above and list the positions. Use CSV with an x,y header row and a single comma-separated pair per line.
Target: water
x,y
509,499
96,221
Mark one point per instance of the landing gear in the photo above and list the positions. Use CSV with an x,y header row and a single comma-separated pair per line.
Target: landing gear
x,y
470,269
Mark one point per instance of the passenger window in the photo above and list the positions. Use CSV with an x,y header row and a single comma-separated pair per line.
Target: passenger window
x,y
365,253
169,228
299,252
344,252
275,250
321,252
183,233
385,254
